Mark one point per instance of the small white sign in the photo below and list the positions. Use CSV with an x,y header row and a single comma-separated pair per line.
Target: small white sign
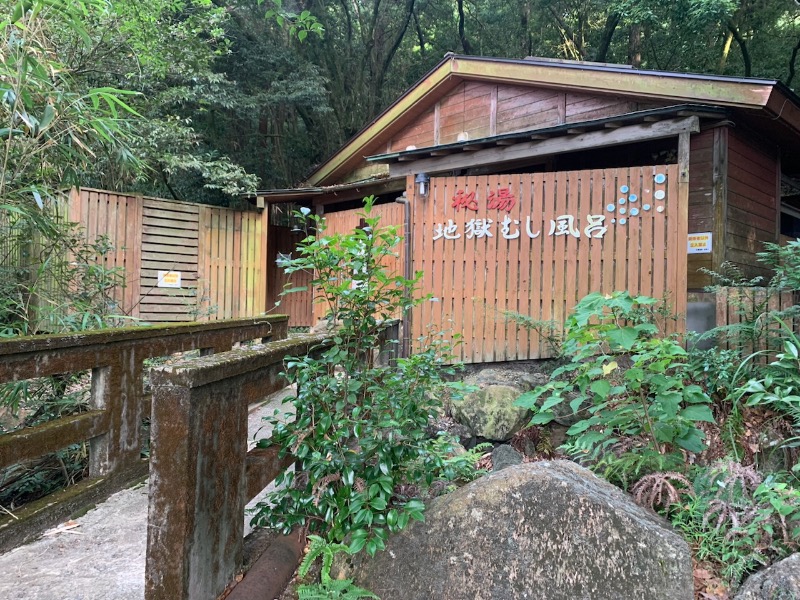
x,y
699,243
169,279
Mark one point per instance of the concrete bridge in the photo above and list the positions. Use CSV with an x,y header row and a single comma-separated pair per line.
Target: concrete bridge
x,y
171,527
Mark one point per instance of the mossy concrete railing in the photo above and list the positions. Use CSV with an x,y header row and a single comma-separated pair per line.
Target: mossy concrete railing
x,y
113,425
202,475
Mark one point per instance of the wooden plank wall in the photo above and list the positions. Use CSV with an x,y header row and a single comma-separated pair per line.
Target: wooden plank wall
x,y
753,202
480,109
701,202
345,221
118,217
218,251
539,274
231,266
170,243
282,240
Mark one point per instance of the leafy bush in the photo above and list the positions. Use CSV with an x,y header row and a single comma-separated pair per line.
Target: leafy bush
x,y
359,434
623,381
739,519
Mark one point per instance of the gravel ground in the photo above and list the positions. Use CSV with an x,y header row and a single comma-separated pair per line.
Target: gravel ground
x,y
102,557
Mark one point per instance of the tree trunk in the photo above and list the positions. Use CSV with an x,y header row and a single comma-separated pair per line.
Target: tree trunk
x,y
605,39
465,45
635,46
748,65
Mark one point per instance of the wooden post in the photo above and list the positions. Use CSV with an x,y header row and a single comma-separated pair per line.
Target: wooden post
x,y
681,283
264,284
719,197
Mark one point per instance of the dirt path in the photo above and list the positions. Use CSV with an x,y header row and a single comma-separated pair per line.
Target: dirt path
x,y
102,556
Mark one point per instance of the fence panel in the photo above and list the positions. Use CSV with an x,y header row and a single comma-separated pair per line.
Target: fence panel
x,y
231,265
218,252
118,218
535,244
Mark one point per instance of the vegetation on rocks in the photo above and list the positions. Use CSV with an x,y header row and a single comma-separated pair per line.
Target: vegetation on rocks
x,y
364,455
707,438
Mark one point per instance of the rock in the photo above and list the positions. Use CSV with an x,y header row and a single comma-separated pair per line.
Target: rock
x,y
443,424
490,413
521,375
538,531
781,581
505,456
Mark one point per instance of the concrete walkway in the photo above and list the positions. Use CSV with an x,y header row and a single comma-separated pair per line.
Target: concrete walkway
x,y
100,555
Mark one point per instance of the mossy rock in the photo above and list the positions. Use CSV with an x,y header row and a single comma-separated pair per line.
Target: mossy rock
x,y
490,412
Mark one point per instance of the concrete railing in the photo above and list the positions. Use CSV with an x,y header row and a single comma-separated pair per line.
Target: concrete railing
x,y
113,425
201,473
202,476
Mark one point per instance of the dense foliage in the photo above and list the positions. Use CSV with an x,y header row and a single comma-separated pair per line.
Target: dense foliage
x,y
237,94
708,438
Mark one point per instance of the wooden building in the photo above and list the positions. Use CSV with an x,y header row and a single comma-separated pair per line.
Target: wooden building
x,y
549,179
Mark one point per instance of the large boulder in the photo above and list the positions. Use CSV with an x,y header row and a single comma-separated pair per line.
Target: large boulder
x,y
538,531
490,412
781,581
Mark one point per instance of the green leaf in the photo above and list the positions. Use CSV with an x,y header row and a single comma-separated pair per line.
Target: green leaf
x,y
542,418
624,337
698,412
551,402
692,441
579,427
601,387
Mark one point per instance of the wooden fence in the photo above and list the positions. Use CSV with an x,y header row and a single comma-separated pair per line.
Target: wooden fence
x,y
219,254
536,243
755,307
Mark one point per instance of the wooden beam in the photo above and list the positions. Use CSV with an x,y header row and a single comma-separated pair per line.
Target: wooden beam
x,y
555,145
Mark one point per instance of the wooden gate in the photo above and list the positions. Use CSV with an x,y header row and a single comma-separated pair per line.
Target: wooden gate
x,y
535,244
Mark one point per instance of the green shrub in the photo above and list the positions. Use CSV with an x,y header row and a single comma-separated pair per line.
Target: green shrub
x,y
624,381
359,434
738,518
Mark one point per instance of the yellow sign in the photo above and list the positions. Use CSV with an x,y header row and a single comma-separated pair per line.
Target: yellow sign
x,y
169,279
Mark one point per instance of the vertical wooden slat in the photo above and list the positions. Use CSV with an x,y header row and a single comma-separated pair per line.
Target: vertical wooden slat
x,y
586,244
633,230
204,260
263,281
646,225
238,260
133,261
548,272
682,226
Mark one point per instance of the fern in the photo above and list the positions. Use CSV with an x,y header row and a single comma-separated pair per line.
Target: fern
x,y
328,588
